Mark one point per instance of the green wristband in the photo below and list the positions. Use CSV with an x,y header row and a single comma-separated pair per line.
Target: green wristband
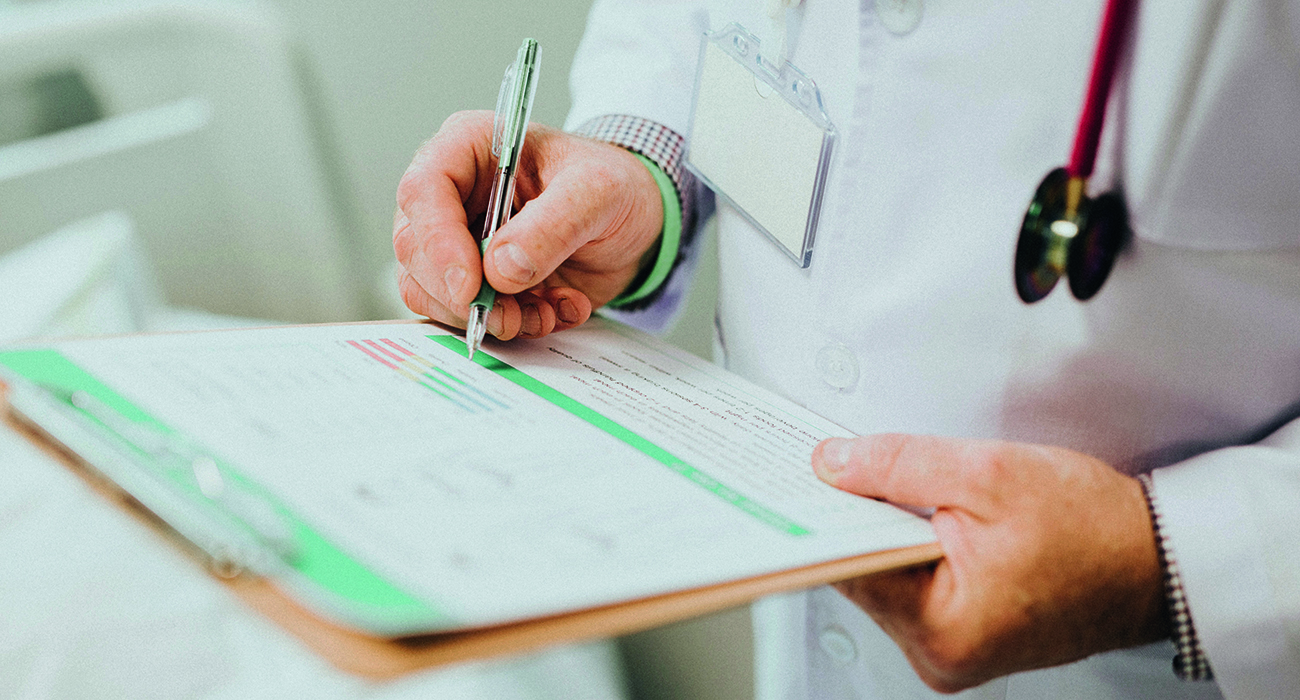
x,y
670,238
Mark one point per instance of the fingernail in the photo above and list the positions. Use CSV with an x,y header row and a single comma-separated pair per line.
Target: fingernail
x,y
513,263
568,312
495,325
835,455
532,320
454,278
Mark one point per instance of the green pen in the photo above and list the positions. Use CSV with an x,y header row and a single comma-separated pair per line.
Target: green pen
x,y
514,107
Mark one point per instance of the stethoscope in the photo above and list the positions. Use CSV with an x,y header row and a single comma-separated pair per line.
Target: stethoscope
x,y
1066,232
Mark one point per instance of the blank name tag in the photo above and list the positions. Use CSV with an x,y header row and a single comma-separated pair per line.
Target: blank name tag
x,y
760,139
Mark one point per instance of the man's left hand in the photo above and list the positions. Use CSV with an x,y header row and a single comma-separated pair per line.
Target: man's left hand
x,y
1049,555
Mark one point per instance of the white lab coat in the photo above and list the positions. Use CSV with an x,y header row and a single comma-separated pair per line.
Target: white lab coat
x,y
1193,344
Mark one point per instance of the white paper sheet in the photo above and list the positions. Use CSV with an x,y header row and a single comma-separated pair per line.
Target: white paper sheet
x,y
614,467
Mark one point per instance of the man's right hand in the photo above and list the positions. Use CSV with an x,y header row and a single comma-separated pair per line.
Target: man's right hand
x,y
587,214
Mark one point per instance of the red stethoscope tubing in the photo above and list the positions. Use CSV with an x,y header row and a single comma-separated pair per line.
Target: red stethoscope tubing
x,y
1115,26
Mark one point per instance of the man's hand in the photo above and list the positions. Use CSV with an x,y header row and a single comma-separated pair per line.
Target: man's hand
x,y
1048,555
587,214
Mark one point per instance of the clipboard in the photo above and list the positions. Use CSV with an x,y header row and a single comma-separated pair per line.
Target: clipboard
x,y
365,645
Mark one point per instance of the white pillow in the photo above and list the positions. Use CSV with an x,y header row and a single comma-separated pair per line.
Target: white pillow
x,y
88,278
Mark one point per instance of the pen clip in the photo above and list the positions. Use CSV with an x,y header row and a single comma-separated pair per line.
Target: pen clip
x,y
515,104
501,118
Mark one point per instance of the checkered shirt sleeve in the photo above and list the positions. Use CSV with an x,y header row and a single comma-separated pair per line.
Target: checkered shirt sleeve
x,y
665,147
1190,663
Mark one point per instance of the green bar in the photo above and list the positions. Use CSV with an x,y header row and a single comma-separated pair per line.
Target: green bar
x,y
470,387
449,375
459,393
440,383
617,430
435,390
51,370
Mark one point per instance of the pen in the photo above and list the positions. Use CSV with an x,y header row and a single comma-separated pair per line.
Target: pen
x,y
514,106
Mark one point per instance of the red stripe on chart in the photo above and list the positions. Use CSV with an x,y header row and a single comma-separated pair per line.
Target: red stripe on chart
x,y
400,348
384,350
367,351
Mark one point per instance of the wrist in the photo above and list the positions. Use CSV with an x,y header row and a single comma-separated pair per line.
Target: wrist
x,y
665,150
658,260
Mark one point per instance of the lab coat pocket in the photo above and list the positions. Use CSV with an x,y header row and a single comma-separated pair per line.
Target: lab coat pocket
x,y
1213,144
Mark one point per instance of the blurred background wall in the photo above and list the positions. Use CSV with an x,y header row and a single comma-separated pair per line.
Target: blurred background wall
x,y
258,148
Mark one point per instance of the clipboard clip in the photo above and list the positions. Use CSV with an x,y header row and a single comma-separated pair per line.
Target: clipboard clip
x,y
233,527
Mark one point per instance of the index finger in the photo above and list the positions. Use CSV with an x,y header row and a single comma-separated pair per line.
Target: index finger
x,y
450,175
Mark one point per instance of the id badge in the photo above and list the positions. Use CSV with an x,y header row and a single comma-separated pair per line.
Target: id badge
x,y
760,138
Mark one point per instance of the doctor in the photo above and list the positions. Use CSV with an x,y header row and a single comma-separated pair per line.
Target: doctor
x,y
1025,427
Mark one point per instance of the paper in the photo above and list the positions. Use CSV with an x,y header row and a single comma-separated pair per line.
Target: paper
x,y
590,467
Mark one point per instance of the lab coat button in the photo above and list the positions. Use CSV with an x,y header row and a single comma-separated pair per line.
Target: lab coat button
x,y
900,16
838,366
838,645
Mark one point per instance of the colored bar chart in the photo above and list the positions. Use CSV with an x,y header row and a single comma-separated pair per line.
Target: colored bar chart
x,y
448,384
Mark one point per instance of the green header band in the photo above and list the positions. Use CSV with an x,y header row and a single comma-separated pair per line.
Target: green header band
x,y
368,598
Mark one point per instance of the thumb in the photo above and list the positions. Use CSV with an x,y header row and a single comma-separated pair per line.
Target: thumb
x,y
578,192
918,470
545,232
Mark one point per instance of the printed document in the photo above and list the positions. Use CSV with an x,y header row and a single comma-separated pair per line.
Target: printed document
x,y
591,467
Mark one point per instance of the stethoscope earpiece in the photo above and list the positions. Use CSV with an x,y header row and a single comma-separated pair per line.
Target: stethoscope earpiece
x,y
1065,233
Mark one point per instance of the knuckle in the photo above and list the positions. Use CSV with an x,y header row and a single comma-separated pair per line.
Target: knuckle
x,y
555,236
413,295
452,122
987,466
886,450
464,119
548,234
411,185
414,181
404,245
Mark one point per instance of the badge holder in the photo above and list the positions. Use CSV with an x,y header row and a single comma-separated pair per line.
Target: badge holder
x,y
760,138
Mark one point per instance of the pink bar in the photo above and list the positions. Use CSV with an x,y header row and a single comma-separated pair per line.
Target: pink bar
x,y
366,350
401,348
384,350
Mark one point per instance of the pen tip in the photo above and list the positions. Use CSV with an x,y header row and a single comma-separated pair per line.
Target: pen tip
x,y
471,350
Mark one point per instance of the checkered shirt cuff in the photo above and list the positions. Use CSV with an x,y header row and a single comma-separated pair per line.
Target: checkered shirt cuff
x,y
1190,663
665,147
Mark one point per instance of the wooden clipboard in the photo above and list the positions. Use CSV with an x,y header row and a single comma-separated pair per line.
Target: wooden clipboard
x,y
364,654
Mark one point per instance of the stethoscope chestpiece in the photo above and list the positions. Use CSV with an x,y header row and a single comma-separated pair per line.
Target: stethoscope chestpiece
x,y
1065,233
